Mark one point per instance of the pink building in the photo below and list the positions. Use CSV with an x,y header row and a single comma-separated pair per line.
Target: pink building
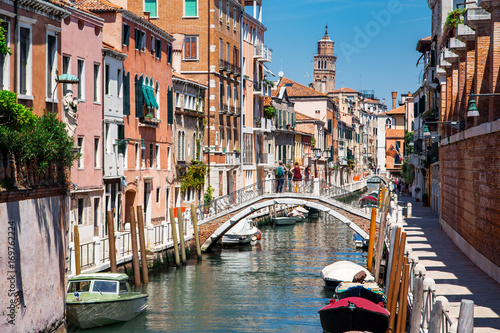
x,y
81,44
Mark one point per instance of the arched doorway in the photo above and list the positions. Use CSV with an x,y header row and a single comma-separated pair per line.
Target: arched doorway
x,y
130,196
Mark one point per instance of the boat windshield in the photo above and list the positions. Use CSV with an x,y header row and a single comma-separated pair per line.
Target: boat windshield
x,y
79,286
105,286
123,287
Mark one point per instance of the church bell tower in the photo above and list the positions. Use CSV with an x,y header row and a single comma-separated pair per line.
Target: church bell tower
x,y
325,65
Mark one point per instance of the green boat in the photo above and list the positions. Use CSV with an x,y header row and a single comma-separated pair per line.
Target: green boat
x,y
100,299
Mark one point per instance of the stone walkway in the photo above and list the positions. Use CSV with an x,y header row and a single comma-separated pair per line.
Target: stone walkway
x,y
455,275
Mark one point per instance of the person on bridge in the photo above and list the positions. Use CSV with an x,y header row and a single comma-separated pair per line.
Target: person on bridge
x,y
280,177
297,176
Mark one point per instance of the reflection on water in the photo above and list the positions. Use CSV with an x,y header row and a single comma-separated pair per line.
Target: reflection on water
x,y
274,286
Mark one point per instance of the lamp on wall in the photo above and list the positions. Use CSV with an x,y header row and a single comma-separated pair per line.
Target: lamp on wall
x,y
473,111
143,146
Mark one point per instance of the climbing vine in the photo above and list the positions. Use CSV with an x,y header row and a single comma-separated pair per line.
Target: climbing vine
x,y
194,177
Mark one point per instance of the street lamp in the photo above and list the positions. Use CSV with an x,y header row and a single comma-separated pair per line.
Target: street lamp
x,y
317,155
473,111
64,78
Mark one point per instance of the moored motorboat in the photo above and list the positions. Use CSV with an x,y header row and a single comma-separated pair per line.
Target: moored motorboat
x,y
244,232
284,220
354,314
100,299
342,271
367,290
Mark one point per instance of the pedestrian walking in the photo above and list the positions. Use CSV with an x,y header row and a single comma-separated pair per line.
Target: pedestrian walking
x,y
297,176
280,177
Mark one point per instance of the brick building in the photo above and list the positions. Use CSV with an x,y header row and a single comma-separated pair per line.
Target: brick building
x,y
325,65
211,55
463,112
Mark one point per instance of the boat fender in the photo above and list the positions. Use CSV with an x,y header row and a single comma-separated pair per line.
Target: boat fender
x,y
259,235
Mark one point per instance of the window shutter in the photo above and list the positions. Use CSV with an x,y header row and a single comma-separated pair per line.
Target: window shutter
x,y
279,118
126,94
137,39
121,136
169,53
126,34
293,120
329,126
158,49
139,99
150,6
170,102
190,8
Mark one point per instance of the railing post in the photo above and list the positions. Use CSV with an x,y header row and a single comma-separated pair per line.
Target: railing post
x,y
400,214
416,312
72,266
97,250
466,317
316,187
164,239
429,288
118,246
151,237
268,183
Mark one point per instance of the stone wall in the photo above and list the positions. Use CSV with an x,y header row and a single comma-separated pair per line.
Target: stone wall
x,y
32,260
470,191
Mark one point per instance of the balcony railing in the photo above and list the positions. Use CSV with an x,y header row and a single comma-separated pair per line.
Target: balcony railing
x,y
262,53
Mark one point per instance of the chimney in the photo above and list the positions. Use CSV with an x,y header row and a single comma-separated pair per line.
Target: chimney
x,y
147,16
383,100
394,97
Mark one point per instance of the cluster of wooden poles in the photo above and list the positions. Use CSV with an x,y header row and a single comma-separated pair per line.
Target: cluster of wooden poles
x,y
179,256
397,290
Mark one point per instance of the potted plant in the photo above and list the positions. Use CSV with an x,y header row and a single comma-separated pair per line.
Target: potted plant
x,y
425,200
148,116
237,150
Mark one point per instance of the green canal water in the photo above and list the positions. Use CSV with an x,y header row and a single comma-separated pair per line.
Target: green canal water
x,y
274,286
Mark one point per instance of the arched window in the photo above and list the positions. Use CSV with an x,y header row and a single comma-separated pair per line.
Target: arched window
x,y
388,122
195,147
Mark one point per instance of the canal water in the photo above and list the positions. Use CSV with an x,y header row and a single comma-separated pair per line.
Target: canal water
x,y
274,286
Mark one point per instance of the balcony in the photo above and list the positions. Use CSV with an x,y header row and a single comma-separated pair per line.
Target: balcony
x,y
233,158
257,88
224,108
449,56
465,33
222,66
262,53
476,16
236,70
456,45
487,4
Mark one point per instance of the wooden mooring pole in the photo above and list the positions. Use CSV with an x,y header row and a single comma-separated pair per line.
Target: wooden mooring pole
x,y
397,281
135,250
111,243
76,238
395,256
403,298
194,218
181,235
142,244
381,234
371,241
174,237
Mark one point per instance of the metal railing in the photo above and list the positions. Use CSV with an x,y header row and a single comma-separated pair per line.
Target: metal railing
x,y
158,234
87,254
104,249
126,244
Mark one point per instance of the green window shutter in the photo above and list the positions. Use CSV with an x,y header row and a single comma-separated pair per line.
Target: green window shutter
x,y
121,136
329,126
139,99
169,53
279,154
126,34
150,6
279,118
170,102
293,120
158,49
137,39
190,8
152,98
126,93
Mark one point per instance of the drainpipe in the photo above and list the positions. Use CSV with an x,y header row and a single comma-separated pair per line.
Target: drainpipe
x,y
16,23
241,94
208,95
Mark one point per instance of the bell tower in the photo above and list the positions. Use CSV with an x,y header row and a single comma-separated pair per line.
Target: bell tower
x,y
325,65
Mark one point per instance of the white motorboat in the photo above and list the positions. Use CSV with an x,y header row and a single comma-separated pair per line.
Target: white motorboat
x,y
284,220
243,232
343,271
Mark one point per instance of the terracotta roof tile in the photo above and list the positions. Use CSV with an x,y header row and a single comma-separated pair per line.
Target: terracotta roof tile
x,y
346,90
301,116
268,100
396,111
395,133
96,5
295,89
184,77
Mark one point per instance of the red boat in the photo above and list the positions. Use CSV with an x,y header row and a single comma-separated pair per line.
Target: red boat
x,y
354,314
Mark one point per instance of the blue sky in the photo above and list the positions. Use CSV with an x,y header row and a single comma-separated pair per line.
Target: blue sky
x,y
374,41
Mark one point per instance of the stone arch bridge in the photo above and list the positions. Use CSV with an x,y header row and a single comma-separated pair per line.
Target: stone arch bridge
x,y
223,213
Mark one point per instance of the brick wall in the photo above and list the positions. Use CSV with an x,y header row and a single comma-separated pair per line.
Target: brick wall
x,y
470,190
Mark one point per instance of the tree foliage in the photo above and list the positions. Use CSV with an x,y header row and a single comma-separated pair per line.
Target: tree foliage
x,y
408,139
408,172
195,176
4,49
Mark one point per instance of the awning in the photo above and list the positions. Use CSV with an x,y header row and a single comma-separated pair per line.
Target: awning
x,y
146,96
152,98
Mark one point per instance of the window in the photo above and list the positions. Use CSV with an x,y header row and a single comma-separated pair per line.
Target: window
x,y
118,82
125,34
191,47
157,156
235,18
158,48
169,53
158,189
140,40
151,7
181,151
169,157
228,52
97,90
66,61
178,99
220,10
137,156
79,146
5,60
96,212
152,45
228,12
96,153
190,8
151,155
51,62
81,77
80,211
25,60
228,97
221,49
